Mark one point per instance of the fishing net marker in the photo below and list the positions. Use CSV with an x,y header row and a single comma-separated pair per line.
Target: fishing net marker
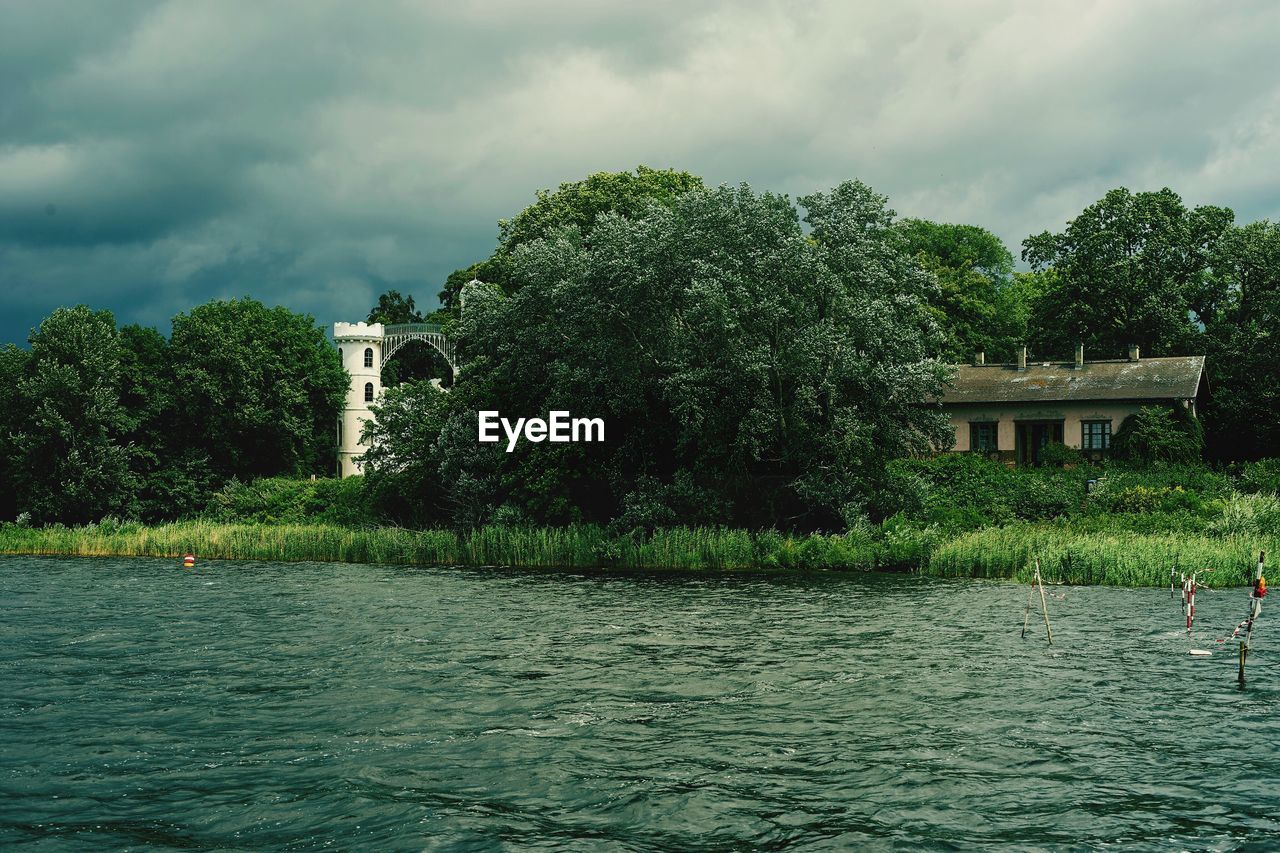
x,y
1256,593
1037,583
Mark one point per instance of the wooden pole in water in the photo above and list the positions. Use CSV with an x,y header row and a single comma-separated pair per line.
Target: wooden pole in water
x,y
1043,603
1026,614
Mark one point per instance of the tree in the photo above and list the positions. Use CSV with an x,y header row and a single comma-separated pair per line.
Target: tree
x,y
71,461
577,204
402,464
1243,365
175,478
13,367
394,308
757,372
978,307
1131,268
1159,434
258,388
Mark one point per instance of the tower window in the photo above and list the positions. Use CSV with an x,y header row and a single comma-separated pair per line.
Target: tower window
x,y
368,357
368,392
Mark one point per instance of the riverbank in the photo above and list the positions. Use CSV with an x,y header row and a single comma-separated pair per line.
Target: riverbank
x,y
1067,556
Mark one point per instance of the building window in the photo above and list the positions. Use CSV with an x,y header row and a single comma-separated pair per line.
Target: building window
x,y
982,437
1095,435
368,357
368,392
339,353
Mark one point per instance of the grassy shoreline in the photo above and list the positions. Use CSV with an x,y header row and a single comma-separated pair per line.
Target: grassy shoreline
x,y
1114,559
1100,559
579,547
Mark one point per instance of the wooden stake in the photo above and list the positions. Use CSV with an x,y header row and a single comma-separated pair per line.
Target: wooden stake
x,y
1026,614
1043,603
1244,653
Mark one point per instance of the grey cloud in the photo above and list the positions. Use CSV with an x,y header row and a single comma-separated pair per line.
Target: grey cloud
x,y
157,154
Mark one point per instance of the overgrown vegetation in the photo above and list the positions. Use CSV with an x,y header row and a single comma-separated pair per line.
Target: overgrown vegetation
x,y
762,364
954,516
572,547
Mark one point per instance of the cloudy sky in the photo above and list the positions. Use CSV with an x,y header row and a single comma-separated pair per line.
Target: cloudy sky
x,y
154,155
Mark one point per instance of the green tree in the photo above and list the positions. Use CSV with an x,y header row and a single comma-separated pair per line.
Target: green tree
x,y
402,464
13,367
71,461
740,365
1159,434
175,478
575,203
393,308
1243,413
1131,268
978,306
258,388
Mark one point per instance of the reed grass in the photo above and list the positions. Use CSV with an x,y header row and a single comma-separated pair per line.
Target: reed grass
x,y
576,547
1110,559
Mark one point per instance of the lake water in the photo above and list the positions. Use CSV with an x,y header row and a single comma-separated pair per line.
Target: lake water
x,y
258,705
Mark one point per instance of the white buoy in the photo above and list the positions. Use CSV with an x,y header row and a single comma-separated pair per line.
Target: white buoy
x,y
1200,653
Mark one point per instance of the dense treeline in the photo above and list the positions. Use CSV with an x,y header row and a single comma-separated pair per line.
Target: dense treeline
x,y
759,362
100,421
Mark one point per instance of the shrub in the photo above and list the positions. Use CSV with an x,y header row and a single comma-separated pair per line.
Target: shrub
x,y
278,500
1262,476
1159,435
1057,455
1249,515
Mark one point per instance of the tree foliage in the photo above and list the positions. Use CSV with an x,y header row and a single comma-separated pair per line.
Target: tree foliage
x,y
1157,434
259,388
740,365
13,367
979,306
97,422
577,204
1131,268
403,461
1244,345
72,462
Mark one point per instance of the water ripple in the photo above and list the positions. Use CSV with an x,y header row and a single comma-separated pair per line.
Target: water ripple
x,y
255,705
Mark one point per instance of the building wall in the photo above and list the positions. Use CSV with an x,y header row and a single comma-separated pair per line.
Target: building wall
x,y
1006,414
352,340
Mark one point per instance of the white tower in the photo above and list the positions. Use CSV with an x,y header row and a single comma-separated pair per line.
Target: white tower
x,y
364,348
360,345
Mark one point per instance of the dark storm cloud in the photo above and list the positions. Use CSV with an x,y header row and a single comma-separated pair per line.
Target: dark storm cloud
x,y
157,154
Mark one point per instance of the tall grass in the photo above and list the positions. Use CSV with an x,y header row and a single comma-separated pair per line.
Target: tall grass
x,y
575,547
1112,559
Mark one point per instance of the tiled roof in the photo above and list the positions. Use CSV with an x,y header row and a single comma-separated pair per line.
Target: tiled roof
x,y
1147,379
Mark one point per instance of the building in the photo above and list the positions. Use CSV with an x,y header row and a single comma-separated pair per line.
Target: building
x,y
1011,411
364,348
360,346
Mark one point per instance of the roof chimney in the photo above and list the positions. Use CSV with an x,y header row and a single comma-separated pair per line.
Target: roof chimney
x,y
979,358
1022,359
1079,355
1134,354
